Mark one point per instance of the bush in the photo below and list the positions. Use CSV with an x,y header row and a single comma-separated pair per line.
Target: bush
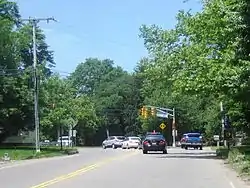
x,y
222,153
238,157
71,151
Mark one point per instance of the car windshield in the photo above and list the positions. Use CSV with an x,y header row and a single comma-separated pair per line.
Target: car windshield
x,y
134,138
157,136
120,137
63,138
194,135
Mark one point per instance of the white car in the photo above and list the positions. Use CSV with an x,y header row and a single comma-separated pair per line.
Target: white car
x,y
64,140
131,142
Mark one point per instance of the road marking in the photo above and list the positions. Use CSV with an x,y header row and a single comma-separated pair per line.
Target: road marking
x,y
232,185
82,170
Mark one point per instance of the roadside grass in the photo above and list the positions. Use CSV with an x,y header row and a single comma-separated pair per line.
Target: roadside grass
x,y
238,157
24,153
215,147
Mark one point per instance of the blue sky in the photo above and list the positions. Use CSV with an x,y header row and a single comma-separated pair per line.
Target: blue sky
x,y
101,28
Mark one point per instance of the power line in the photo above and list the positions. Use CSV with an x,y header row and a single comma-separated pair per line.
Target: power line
x,y
19,72
60,71
34,22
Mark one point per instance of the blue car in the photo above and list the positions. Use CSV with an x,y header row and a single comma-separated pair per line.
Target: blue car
x,y
192,140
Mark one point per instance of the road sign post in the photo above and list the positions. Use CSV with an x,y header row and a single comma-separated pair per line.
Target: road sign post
x,y
217,139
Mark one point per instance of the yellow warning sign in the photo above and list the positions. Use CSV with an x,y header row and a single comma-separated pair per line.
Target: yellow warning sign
x,y
162,126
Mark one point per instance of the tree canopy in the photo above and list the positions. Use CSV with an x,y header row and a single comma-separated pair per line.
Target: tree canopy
x,y
192,67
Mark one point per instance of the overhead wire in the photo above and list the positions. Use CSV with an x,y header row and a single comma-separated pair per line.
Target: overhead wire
x,y
17,72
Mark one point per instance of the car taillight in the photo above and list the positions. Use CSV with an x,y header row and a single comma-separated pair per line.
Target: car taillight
x,y
183,139
145,142
162,142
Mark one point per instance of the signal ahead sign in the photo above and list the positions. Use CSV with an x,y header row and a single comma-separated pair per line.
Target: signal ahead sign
x,y
162,126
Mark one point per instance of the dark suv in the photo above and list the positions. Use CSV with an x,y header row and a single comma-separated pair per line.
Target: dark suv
x,y
154,142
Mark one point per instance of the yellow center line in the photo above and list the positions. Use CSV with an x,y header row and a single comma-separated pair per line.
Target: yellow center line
x,y
81,171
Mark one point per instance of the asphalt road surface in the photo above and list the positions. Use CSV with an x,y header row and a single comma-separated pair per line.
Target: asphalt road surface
x,y
97,168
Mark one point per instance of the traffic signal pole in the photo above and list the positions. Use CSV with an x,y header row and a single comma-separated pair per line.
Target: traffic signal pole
x,y
168,112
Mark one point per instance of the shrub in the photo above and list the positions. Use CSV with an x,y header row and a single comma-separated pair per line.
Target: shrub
x,y
237,157
71,151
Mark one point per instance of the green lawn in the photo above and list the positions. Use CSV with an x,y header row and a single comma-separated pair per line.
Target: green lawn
x,y
22,153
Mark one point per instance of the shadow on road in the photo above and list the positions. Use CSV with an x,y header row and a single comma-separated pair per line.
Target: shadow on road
x,y
188,157
199,155
190,153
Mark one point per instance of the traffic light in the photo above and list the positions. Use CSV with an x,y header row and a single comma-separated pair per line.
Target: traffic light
x,y
153,112
227,134
227,123
144,112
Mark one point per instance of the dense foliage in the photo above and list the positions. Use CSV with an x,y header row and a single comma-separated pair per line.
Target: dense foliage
x,y
202,61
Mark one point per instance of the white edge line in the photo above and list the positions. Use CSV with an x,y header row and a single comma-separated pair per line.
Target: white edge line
x,y
231,184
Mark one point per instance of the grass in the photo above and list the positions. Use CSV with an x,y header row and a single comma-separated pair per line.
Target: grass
x,y
238,157
22,153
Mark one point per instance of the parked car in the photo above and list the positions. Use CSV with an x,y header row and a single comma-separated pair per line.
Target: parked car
x,y
113,142
131,142
64,140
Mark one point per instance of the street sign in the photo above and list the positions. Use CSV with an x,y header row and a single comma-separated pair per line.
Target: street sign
x,y
162,115
216,137
72,133
162,126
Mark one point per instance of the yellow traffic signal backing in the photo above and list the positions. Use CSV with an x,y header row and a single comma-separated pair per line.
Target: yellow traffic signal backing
x,y
153,112
144,112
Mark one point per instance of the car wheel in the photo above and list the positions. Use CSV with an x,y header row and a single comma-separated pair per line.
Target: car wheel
x,y
165,152
145,152
201,148
186,147
113,146
103,146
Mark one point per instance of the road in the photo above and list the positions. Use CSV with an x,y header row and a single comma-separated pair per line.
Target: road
x,y
95,168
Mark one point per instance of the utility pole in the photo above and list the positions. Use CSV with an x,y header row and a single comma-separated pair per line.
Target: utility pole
x,y
34,22
222,124
174,129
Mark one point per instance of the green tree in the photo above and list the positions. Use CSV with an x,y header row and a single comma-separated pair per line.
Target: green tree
x,y
114,92
200,61
61,105
13,88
